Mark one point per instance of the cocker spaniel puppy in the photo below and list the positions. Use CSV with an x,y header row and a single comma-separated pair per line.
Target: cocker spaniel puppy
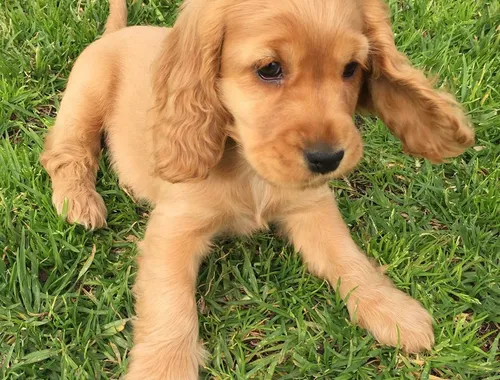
x,y
237,117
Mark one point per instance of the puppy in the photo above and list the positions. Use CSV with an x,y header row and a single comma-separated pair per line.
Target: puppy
x,y
236,117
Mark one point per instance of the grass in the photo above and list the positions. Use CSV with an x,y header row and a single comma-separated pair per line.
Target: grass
x,y
65,299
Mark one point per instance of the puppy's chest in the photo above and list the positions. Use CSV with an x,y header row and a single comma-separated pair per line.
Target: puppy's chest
x,y
253,206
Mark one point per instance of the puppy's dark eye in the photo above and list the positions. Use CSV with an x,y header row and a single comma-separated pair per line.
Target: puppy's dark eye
x,y
350,69
270,72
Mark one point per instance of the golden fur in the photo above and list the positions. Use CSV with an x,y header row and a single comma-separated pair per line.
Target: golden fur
x,y
192,129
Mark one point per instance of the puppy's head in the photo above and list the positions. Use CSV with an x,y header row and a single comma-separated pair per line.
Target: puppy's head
x,y
284,80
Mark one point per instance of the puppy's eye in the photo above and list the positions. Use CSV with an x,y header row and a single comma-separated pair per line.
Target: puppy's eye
x,y
350,69
271,72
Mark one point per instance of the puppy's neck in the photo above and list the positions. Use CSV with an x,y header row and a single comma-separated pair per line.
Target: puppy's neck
x,y
233,164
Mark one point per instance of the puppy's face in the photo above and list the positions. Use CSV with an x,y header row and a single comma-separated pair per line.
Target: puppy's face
x,y
290,77
285,76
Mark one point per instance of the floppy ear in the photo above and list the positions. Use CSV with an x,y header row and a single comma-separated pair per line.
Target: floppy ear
x,y
188,120
429,123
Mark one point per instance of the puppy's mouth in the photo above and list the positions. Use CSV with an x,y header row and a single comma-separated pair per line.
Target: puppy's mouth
x,y
321,179
309,181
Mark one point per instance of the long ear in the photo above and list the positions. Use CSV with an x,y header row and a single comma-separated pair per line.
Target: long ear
x,y
188,120
429,123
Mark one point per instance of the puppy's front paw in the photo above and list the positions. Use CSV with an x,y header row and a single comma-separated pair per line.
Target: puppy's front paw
x,y
394,318
165,361
84,206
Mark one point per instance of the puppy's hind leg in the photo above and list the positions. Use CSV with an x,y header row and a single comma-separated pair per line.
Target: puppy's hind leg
x,y
72,151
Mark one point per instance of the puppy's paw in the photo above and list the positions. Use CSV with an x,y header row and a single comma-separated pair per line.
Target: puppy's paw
x,y
84,206
394,318
165,362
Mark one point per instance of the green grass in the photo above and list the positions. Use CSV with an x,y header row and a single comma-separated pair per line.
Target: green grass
x,y
65,299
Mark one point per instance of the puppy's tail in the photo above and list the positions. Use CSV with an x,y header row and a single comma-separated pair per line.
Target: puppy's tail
x,y
117,18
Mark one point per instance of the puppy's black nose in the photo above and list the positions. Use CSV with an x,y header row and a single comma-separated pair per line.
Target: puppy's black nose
x,y
323,159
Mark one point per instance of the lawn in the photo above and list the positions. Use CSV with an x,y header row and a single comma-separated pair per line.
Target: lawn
x,y
65,298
